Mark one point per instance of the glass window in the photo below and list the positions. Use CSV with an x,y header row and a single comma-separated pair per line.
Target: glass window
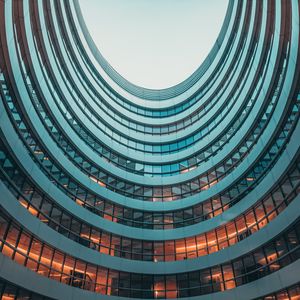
x,y
24,241
169,250
260,213
212,242
201,245
228,276
191,247
205,279
231,232
180,249
171,287
12,235
222,237
217,279
251,222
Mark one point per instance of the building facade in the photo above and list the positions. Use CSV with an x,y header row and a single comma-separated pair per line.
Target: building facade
x,y
109,190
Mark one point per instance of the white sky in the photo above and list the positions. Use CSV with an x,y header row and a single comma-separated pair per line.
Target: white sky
x,y
154,43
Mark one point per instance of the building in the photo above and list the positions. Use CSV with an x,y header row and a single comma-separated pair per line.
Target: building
x,y
110,190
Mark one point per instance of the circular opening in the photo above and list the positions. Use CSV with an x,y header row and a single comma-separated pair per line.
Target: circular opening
x,y
153,43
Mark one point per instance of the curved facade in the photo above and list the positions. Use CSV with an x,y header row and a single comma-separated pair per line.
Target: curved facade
x,y
110,190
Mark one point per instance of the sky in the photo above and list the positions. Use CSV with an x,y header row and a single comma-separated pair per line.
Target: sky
x,y
154,43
